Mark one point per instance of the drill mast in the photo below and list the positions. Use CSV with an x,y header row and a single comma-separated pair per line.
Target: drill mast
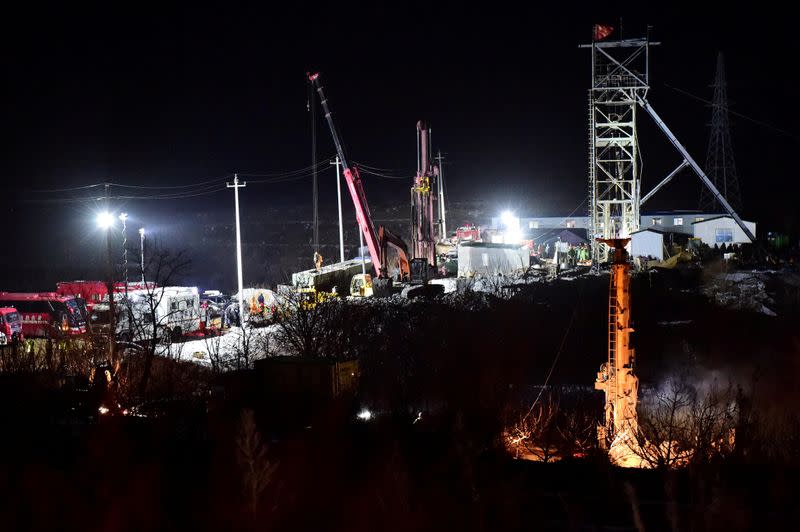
x,y
616,376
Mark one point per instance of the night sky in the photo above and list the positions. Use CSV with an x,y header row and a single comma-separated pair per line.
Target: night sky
x,y
175,96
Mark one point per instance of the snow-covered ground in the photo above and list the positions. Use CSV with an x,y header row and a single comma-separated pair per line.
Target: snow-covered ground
x,y
741,290
224,348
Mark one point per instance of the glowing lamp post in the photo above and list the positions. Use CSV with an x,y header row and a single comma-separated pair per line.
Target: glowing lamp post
x,y
105,220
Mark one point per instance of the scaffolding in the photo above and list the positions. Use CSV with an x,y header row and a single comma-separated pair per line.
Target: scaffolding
x,y
620,78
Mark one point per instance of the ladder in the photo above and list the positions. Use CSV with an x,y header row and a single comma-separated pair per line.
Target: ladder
x,y
612,344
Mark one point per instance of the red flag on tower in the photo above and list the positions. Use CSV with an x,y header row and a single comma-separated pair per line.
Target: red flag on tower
x,y
601,32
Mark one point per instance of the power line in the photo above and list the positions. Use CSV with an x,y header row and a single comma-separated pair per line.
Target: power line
x,y
218,186
740,115
560,350
307,169
174,196
384,176
376,168
280,179
70,189
167,187
300,173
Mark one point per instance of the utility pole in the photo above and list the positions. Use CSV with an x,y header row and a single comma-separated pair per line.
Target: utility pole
x,y
440,160
112,310
124,217
236,186
339,197
141,248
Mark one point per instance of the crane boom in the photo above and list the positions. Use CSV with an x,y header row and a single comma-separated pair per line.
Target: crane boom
x,y
354,185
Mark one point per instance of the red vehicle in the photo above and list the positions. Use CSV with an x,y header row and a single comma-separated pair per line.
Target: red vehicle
x,y
90,291
93,292
47,314
10,326
468,232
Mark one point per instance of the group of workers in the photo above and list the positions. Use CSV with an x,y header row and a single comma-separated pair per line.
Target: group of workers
x,y
564,253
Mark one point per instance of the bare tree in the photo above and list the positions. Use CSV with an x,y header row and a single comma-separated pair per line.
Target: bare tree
x,y
578,430
257,470
216,355
244,347
660,437
713,418
66,355
680,425
148,322
309,328
533,436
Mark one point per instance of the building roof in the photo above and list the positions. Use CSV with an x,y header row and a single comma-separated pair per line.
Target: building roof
x,y
717,218
679,212
490,245
660,232
572,235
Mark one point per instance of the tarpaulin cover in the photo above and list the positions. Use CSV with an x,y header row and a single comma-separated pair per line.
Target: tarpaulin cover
x,y
491,259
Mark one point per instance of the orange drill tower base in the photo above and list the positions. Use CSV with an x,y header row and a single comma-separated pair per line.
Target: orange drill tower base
x,y
616,376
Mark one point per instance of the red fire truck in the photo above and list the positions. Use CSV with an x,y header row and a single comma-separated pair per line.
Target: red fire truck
x,y
47,314
90,291
93,292
468,232
10,326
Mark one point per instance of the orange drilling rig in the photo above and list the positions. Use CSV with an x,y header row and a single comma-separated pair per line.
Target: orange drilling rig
x,y
616,376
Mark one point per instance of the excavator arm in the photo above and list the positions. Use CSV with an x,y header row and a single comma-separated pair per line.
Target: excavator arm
x,y
387,238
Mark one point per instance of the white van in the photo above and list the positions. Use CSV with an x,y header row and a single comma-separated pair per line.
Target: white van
x,y
175,309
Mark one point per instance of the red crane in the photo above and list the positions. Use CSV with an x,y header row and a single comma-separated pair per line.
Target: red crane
x,y
354,185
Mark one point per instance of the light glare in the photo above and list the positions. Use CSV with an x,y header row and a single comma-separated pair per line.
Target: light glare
x,y
105,220
508,218
513,233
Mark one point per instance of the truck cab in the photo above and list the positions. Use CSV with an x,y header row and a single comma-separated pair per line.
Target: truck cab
x,y
10,326
361,285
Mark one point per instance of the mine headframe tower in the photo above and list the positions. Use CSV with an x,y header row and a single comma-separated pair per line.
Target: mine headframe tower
x,y
620,79
617,377
620,82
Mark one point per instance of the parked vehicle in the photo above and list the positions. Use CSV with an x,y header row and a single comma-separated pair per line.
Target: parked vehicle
x,y
260,304
10,326
47,314
361,285
468,232
172,310
93,292
214,303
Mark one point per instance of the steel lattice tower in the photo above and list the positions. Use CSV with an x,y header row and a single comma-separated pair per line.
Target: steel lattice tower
x,y
720,165
620,77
